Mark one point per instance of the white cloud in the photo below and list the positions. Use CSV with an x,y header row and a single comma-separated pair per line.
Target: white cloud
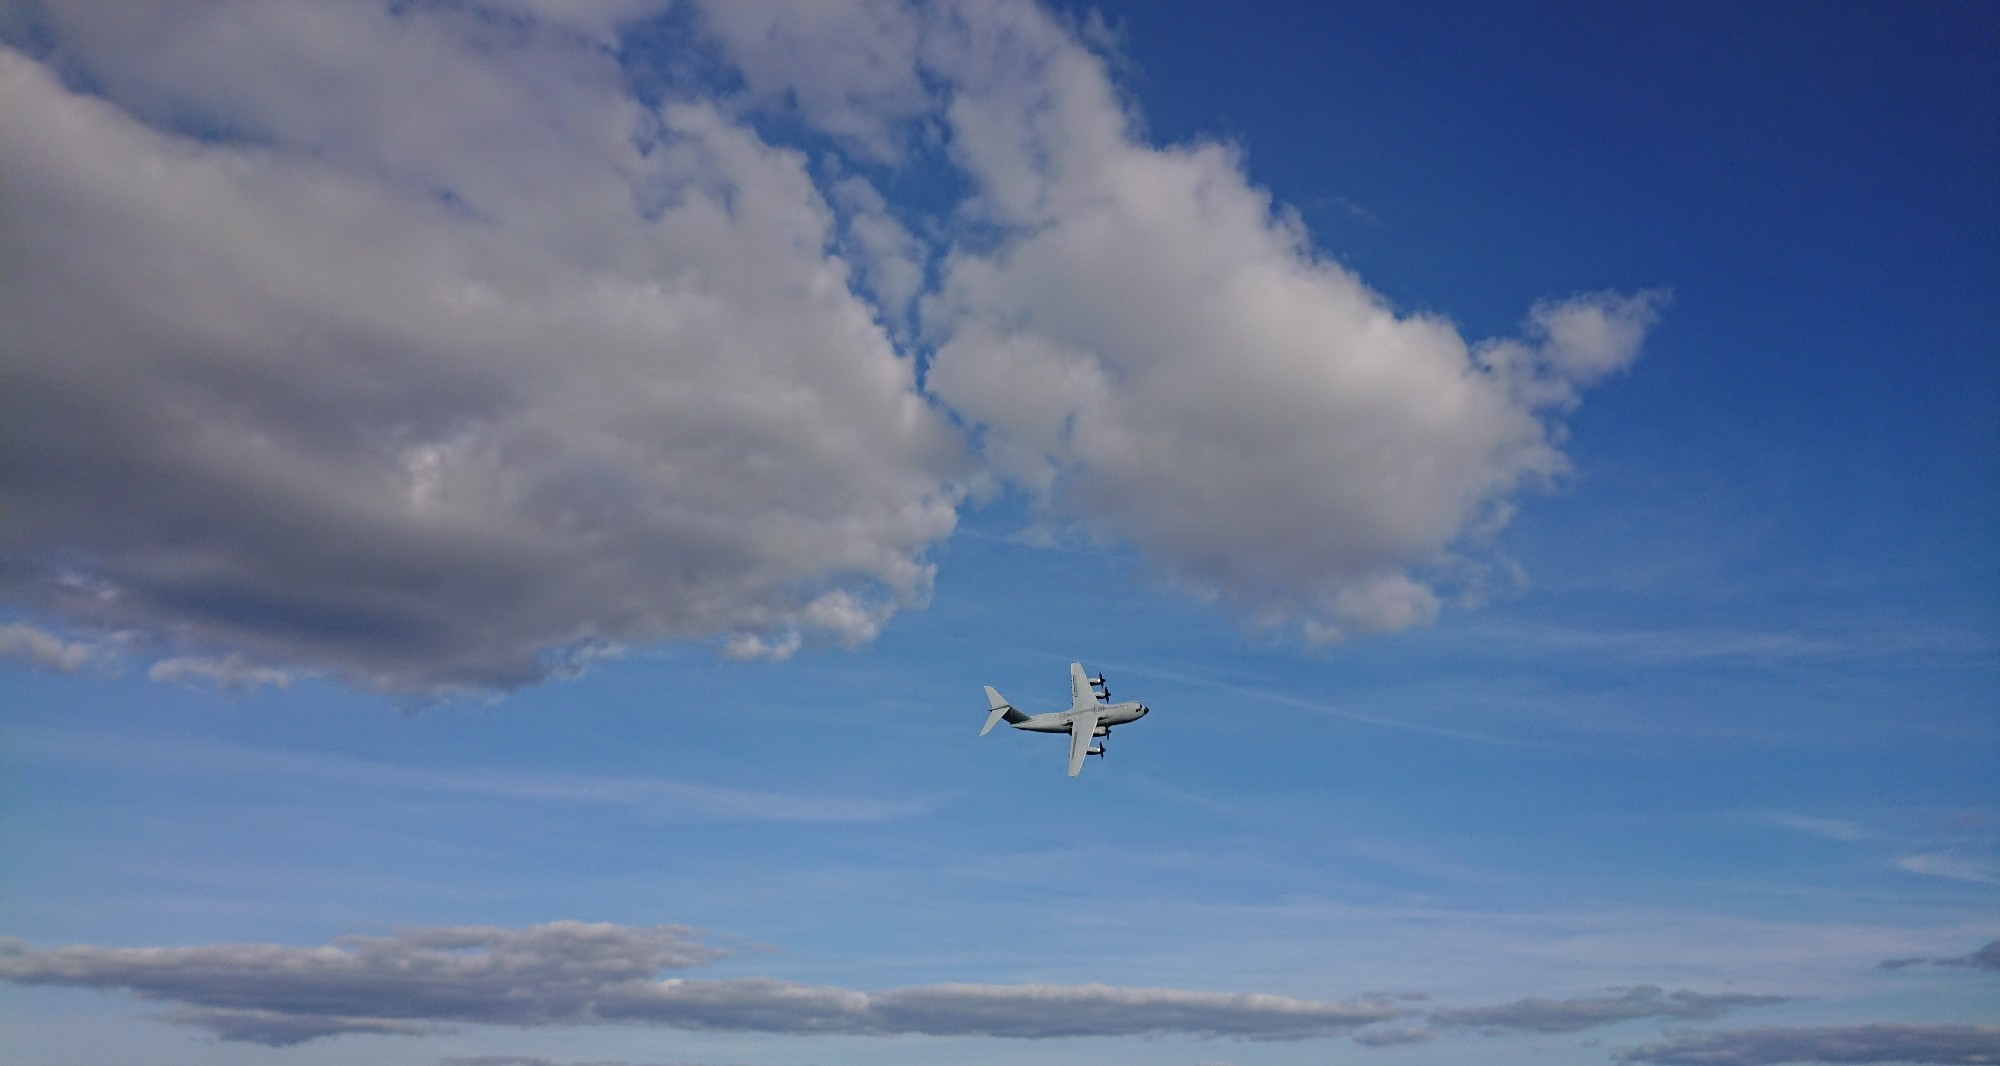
x,y
1155,347
847,66
44,650
1588,337
650,797
229,671
890,258
1951,868
1385,604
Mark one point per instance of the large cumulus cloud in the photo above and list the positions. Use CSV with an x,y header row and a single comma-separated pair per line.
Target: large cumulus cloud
x,y
1156,349
406,342
448,361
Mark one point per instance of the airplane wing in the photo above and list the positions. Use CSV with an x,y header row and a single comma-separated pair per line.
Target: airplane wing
x,y
1080,692
1081,729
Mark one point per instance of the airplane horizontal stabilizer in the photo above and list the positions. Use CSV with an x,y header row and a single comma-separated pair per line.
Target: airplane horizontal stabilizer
x,y
1000,709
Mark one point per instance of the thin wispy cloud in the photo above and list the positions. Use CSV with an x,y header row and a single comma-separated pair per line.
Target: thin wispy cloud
x,y
1679,646
1826,828
1951,868
651,796
1284,699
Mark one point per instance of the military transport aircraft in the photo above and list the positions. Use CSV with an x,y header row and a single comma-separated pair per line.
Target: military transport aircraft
x,y
1091,714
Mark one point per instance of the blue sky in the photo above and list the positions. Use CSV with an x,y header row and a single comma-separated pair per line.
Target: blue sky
x,y
510,511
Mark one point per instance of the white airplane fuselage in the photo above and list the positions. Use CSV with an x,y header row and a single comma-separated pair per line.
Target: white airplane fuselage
x,y
1107,715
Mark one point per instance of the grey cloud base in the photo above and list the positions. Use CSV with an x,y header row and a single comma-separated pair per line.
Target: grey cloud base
x,y
573,973
1952,1045
1987,957
405,343
1570,1015
427,980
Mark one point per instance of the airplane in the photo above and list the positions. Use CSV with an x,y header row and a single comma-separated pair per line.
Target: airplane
x,y
1091,714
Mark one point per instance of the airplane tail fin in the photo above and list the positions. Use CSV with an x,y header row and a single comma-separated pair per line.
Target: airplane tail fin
x,y
999,709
